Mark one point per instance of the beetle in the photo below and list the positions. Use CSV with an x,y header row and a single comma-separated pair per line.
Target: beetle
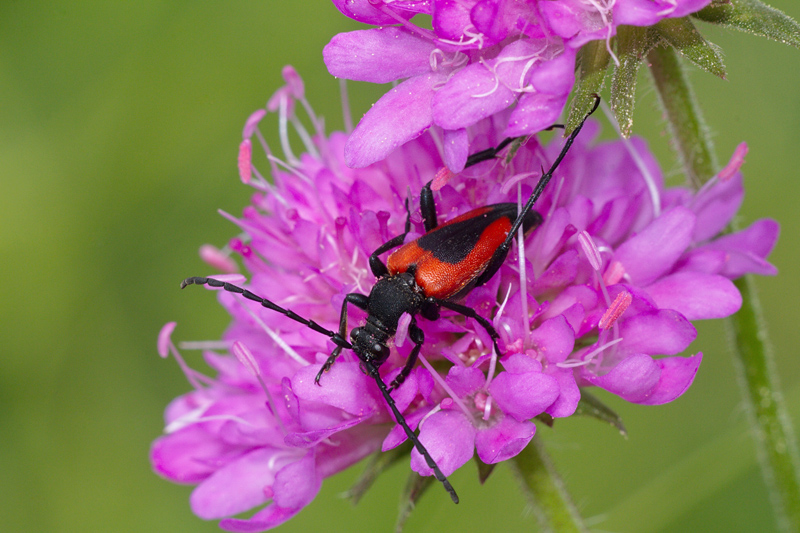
x,y
420,278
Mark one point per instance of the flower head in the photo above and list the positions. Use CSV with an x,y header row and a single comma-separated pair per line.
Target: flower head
x,y
479,58
601,294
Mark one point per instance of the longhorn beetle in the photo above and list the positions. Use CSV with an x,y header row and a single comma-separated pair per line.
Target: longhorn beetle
x,y
421,277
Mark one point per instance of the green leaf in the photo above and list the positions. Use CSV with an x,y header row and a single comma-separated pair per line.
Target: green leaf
x,y
591,406
754,17
516,144
484,470
414,489
592,63
682,34
379,462
633,43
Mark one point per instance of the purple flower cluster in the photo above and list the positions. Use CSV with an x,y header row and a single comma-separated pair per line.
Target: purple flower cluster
x,y
601,294
478,58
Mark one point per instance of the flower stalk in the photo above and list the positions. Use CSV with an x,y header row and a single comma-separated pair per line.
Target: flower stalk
x,y
545,491
769,420
689,132
754,361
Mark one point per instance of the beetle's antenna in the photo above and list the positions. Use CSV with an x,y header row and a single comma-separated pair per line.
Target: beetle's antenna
x,y
438,474
545,179
337,339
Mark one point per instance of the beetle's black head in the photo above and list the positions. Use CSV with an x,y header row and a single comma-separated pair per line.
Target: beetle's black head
x,y
369,343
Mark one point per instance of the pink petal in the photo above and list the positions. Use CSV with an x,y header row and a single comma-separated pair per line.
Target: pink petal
x,y
465,380
554,339
652,252
503,440
746,250
556,76
471,94
661,332
716,206
380,55
236,487
267,518
697,296
364,11
633,379
456,149
535,112
344,387
451,18
450,439
400,115
568,392
524,396
519,363
190,455
297,483
677,374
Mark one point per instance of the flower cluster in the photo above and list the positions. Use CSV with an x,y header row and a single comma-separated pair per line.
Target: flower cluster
x,y
478,58
601,294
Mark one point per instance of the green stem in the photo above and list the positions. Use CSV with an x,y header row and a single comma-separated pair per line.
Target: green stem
x,y
769,420
766,409
686,125
545,490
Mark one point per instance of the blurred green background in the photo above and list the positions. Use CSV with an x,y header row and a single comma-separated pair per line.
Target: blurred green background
x,y
119,127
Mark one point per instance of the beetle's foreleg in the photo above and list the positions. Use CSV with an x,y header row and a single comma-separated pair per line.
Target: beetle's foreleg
x,y
360,301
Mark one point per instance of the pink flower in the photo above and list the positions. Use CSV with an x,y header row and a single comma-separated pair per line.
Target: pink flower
x,y
600,294
481,57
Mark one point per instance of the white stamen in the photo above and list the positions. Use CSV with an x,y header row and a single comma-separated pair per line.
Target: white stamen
x,y
445,386
164,339
402,330
473,37
283,130
274,336
291,169
637,160
245,356
166,346
523,274
516,178
590,250
196,415
305,137
588,357
348,117
487,408
267,152
205,345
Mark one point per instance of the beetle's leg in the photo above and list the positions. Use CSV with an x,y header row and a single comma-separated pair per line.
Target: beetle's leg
x,y
489,153
377,266
471,313
427,207
372,371
418,338
360,301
